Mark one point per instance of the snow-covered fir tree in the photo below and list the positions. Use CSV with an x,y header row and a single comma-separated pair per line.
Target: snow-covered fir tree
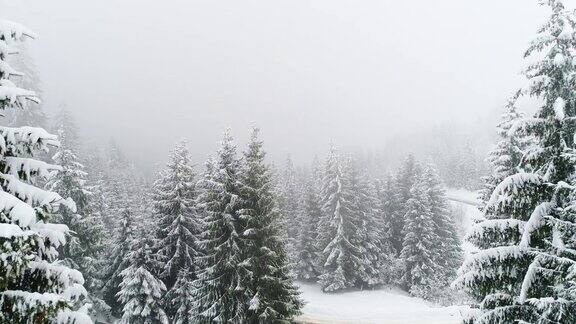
x,y
181,298
307,267
418,253
84,245
371,240
339,233
525,266
176,219
289,204
270,293
117,261
219,290
34,286
404,180
387,203
448,249
141,292
504,160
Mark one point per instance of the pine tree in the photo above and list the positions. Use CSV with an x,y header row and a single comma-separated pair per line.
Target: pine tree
x,y
307,267
447,250
405,178
181,298
371,239
339,234
34,285
387,205
270,294
219,293
418,245
177,224
140,291
117,260
85,245
290,207
504,160
523,270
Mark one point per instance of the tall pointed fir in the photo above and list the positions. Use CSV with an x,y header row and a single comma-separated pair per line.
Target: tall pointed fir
x,y
448,249
84,249
387,205
140,291
219,289
270,293
307,267
177,221
34,285
525,267
339,236
372,241
405,178
504,160
117,261
418,253
289,205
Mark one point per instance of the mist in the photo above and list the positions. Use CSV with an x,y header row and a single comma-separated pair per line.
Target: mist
x,y
148,73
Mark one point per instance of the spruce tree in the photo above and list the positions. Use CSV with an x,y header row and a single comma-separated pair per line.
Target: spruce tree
x,y
339,232
140,291
418,252
405,178
34,286
289,205
83,251
525,266
117,261
177,221
387,205
271,296
447,250
504,160
308,267
181,298
219,289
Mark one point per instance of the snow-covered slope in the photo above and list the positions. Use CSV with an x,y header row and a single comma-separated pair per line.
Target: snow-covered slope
x,y
386,305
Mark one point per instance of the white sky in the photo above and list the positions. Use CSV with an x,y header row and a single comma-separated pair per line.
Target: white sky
x,y
356,72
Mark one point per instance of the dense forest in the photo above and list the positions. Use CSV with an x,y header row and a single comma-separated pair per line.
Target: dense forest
x,y
87,236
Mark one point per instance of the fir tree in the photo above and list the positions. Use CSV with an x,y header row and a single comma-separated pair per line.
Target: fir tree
x,y
290,207
418,245
307,267
447,250
270,294
85,245
504,160
339,231
181,298
177,223
522,272
34,286
140,291
405,178
117,260
220,291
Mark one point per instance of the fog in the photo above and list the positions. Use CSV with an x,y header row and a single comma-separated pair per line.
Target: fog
x,y
357,73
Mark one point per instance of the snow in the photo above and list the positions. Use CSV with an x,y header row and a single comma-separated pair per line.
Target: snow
x,y
559,105
387,305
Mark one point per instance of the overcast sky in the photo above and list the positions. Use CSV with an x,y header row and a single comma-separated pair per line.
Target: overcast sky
x,y
356,72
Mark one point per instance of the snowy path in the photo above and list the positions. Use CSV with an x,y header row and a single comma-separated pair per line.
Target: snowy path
x,y
380,306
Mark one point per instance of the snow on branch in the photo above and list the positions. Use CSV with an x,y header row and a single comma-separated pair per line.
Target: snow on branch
x,y
34,195
534,222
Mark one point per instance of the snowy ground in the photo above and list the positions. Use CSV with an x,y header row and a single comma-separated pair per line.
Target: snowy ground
x,y
387,305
